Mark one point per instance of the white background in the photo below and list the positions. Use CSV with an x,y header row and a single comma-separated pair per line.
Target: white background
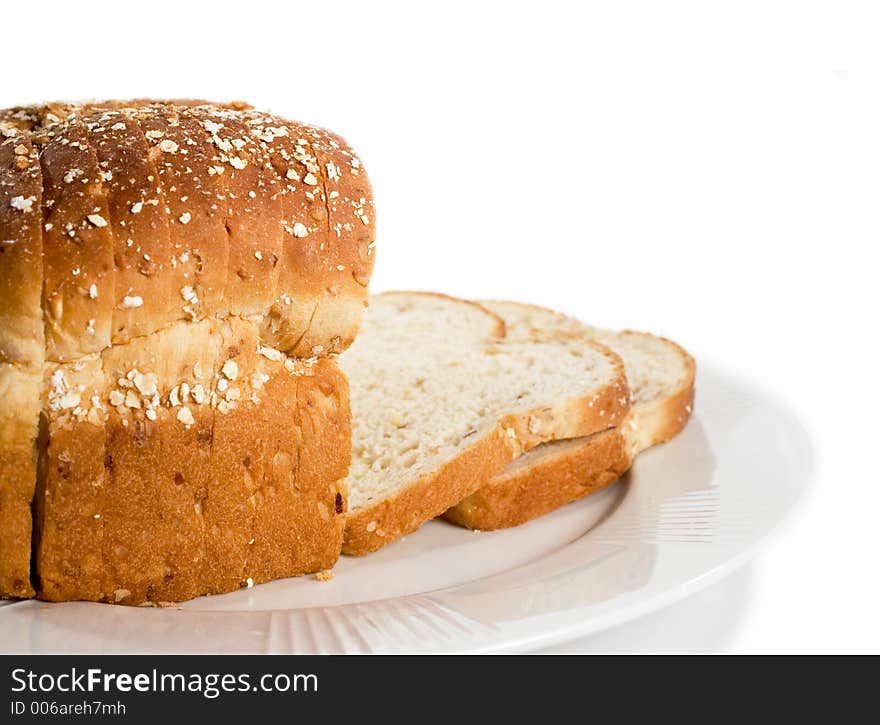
x,y
710,171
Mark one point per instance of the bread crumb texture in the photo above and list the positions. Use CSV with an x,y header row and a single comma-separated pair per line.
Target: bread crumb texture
x,y
443,398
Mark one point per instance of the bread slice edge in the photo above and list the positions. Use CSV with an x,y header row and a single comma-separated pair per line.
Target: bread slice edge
x,y
583,466
436,491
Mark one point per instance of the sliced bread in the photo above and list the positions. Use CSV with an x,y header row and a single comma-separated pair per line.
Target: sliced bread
x,y
661,377
442,401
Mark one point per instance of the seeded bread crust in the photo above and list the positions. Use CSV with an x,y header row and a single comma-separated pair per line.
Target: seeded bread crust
x,y
140,238
19,412
433,493
554,474
238,479
21,353
236,212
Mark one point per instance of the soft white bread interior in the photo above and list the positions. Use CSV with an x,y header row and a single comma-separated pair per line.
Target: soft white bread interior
x,y
442,401
661,377
659,371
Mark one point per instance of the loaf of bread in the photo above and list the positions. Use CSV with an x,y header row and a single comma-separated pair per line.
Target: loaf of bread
x,y
174,279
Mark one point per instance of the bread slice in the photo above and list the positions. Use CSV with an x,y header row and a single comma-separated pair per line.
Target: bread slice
x,y
442,401
661,378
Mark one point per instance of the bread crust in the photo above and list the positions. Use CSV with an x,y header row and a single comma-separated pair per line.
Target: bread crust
x,y
19,412
372,528
21,352
78,267
21,252
72,481
142,502
522,494
499,328
335,207
238,244
142,241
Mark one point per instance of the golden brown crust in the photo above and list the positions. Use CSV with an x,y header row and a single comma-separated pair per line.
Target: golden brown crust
x,y
304,228
329,226
196,203
141,242
21,118
304,498
78,270
236,464
21,250
526,492
251,201
21,352
235,242
71,485
19,411
676,412
328,220
159,468
203,463
349,231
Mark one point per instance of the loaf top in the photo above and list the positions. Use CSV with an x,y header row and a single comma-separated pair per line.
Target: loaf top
x,y
120,218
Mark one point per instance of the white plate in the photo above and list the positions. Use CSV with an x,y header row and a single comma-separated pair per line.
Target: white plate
x,y
688,513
